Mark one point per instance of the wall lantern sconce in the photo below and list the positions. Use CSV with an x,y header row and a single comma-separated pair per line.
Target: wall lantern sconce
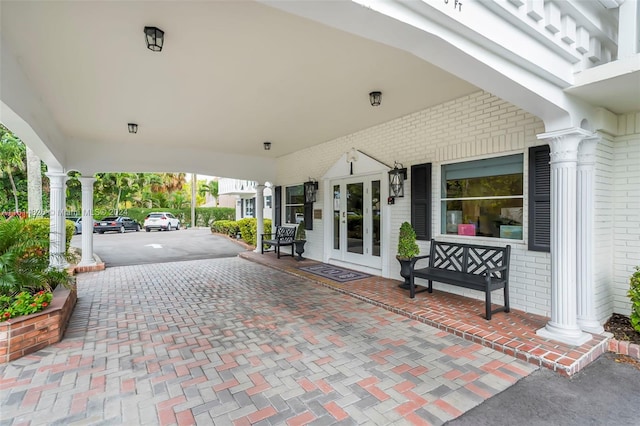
x,y
267,146
397,176
375,98
310,190
155,38
133,128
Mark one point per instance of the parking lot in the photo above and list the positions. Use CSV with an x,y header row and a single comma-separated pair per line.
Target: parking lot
x,y
137,248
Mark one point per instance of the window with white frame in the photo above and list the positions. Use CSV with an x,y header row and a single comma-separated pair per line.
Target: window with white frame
x,y
483,197
294,204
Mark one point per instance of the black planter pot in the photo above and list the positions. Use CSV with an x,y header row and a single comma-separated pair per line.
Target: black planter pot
x,y
405,272
299,247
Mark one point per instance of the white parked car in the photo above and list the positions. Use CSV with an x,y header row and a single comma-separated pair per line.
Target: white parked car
x,y
162,221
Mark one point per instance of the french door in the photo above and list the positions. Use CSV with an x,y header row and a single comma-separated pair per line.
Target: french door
x,y
356,220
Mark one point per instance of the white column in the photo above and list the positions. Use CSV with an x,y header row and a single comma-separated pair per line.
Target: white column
x,y
563,325
629,29
259,216
87,221
587,320
57,208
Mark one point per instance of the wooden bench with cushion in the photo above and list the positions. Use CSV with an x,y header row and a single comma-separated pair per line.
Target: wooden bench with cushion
x,y
283,236
477,267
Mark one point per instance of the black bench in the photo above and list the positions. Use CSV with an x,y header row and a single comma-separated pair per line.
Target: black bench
x,y
283,236
477,267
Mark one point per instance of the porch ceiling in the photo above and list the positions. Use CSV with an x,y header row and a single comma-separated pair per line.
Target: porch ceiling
x,y
231,75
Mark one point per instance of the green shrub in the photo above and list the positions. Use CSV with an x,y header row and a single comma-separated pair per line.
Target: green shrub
x,y
248,230
247,227
407,246
40,228
634,295
227,227
24,258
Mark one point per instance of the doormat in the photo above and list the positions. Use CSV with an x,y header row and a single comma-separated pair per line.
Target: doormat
x,y
335,273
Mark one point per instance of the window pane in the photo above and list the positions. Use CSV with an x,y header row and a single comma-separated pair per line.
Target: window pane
x,y
294,214
487,218
469,191
486,186
294,204
295,195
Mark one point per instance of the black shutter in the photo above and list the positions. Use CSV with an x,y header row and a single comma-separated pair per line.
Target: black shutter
x,y
539,199
308,216
277,206
421,200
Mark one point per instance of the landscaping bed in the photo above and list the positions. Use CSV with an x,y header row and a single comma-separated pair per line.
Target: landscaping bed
x,y
26,334
625,341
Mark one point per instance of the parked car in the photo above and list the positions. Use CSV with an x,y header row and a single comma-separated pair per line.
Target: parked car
x,y
164,221
116,224
77,221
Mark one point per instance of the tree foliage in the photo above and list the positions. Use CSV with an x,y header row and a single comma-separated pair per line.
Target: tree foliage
x,y
113,192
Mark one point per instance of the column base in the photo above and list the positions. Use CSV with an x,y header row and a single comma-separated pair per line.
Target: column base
x,y
91,262
590,326
575,337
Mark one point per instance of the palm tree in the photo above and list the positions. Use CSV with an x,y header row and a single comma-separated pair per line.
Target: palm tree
x,y
169,182
211,188
178,200
12,155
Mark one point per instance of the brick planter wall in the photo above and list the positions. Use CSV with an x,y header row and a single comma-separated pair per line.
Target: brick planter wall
x,y
23,335
624,348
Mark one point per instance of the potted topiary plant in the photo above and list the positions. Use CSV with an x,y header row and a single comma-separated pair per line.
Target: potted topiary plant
x,y
407,250
300,239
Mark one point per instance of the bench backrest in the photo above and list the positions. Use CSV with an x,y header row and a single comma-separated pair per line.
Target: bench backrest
x,y
285,233
469,258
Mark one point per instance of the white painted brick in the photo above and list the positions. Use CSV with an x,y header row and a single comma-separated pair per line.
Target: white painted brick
x,y
481,125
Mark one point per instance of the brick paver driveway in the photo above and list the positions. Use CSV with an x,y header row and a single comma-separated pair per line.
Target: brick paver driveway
x,y
228,341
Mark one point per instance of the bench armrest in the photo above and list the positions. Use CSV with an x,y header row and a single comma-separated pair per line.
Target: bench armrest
x,y
498,269
268,234
415,259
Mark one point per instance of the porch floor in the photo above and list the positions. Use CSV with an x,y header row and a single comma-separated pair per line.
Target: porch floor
x,y
512,333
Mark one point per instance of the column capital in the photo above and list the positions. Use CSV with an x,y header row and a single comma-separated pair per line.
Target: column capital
x,y
575,131
87,180
58,178
587,150
564,144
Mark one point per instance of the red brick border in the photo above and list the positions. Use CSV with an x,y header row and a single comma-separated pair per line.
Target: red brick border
x,y
624,348
24,335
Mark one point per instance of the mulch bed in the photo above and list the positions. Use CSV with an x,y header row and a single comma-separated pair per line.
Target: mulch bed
x,y
621,328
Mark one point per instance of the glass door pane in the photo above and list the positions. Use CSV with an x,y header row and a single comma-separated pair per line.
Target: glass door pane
x,y
375,218
355,221
336,217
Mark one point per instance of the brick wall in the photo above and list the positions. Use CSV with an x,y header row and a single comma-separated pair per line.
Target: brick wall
x,y
481,126
472,127
626,209
24,335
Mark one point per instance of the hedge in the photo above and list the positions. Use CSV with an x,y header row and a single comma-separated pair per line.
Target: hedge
x,y
247,227
204,215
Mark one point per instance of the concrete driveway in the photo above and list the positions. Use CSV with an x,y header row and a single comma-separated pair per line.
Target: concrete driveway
x,y
137,248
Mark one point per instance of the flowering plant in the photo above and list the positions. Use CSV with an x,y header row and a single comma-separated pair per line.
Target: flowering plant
x,y
23,303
